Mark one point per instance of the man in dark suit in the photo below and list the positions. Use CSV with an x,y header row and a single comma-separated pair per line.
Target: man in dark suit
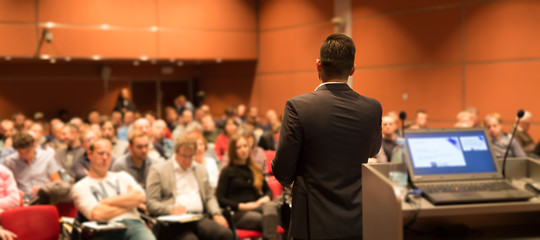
x,y
325,138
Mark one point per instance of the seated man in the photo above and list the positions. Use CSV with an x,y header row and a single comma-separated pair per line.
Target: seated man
x,y
120,147
137,162
66,156
81,166
110,196
523,137
31,166
176,187
499,140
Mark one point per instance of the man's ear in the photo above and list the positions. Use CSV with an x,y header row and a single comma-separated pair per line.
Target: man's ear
x,y
319,65
352,70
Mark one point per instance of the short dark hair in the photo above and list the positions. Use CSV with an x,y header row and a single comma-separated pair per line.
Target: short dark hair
x,y
337,56
22,140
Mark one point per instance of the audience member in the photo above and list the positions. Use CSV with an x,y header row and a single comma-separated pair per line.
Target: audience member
x,y
464,120
142,124
31,166
116,119
163,145
18,121
9,194
420,120
242,187
124,102
54,140
475,117
36,130
208,162
136,162
171,117
240,113
123,131
257,153
93,117
120,147
181,103
8,127
81,165
65,157
389,139
523,137
499,140
110,196
210,132
270,137
222,141
185,122
177,187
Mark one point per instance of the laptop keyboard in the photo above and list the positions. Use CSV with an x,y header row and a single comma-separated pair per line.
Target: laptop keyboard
x,y
467,187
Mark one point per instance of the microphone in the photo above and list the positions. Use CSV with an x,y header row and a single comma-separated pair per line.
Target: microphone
x,y
402,117
520,114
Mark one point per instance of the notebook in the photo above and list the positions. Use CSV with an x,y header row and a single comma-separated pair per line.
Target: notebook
x,y
457,165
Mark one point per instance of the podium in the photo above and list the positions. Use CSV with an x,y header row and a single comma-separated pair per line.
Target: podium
x,y
387,216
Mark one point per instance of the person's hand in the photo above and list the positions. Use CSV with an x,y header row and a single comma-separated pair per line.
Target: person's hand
x,y
142,207
263,200
34,190
179,210
7,235
248,206
221,221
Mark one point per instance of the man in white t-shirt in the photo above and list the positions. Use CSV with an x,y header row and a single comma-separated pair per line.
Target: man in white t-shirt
x,y
110,196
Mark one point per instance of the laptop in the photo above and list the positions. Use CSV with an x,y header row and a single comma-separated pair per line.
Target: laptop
x,y
457,165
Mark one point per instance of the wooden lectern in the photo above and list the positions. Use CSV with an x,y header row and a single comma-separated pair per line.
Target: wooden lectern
x,y
385,214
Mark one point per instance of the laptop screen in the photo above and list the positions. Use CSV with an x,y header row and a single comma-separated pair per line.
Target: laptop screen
x,y
453,151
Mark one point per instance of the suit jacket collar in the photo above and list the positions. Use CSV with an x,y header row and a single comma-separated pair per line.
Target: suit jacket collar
x,y
333,87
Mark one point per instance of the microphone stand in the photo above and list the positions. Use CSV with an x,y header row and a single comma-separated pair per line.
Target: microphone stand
x,y
520,114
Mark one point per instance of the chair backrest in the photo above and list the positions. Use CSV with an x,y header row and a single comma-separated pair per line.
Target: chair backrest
x,y
270,154
66,209
275,186
37,222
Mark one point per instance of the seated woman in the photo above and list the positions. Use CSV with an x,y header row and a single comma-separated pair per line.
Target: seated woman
x,y
242,187
222,140
208,162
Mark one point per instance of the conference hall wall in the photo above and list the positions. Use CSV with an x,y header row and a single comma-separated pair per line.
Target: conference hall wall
x,y
444,56
133,40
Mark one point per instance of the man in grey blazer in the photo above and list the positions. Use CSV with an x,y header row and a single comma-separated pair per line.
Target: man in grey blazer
x,y
176,187
325,137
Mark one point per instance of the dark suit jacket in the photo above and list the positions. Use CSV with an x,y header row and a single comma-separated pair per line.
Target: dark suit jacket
x,y
325,138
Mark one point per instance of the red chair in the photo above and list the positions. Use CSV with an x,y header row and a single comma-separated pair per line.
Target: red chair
x,y
37,222
270,154
275,186
67,209
242,233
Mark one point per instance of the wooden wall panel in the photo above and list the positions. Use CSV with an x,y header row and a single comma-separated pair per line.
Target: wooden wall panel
x,y
369,8
193,44
85,42
408,38
292,49
497,30
229,15
504,88
426,88
276,14
18,40
17,11
126,13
